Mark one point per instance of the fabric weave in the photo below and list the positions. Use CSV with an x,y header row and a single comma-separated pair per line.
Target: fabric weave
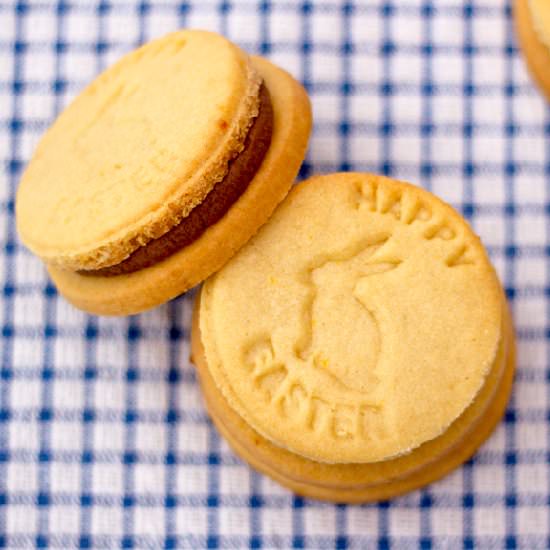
x,y
104,440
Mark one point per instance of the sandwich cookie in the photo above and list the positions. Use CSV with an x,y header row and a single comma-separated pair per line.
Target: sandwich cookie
x,y
359,346
160,170
532,19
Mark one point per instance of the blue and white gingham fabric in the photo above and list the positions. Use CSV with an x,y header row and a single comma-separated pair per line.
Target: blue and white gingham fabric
x,y
104,440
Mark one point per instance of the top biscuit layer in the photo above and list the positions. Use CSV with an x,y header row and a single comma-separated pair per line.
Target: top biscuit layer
x,y
137,150
360,322
540,13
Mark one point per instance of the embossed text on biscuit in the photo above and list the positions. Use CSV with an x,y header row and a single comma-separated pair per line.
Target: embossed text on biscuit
x,y
406,208
281,387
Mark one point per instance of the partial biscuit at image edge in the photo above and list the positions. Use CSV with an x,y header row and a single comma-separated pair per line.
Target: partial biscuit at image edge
x,y
488,413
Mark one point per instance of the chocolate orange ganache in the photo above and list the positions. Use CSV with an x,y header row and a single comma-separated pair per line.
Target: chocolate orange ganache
x,y
161,170
222,196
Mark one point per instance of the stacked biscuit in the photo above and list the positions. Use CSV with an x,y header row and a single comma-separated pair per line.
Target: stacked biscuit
x,y
360,345
355,346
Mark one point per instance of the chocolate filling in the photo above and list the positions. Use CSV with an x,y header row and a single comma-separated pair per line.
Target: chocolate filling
x,y
217,202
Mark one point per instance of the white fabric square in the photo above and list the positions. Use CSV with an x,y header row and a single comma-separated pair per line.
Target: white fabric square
x,y
366,110
28,313
151,437
80,27
489,521
107,478
532,434
70,353
326,66
407,109
149,520
30,355
326,109
405,521
450,65
64,519
447,522
488,480
192,519
244,25
156,24
79,66
204,18
533,478
326,27
448,28
24,435
364,150
22,478
149,479
234,480
193,437
320,521
528,309
235,521
107,520
26,393
21,519
121,27
38,107
38,26
430,94
285,26
491,230
408,149
326,148
367,68
66,435
65,477
108,437
532,520
191,480
362,521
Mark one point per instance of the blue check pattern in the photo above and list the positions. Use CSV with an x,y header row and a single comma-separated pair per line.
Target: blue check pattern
x,y
104,440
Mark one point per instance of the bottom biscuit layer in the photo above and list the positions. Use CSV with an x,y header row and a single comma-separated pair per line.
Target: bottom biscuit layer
x,y
366,482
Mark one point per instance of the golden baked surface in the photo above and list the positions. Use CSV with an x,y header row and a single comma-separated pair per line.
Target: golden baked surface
x,y
359,323
532,22
540,14
137,150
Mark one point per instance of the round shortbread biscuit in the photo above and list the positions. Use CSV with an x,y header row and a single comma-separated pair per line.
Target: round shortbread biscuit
x,y
146,288
359,323
355,483
532,19
137,150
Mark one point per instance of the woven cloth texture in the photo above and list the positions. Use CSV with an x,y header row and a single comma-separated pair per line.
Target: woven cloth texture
x,y
104,439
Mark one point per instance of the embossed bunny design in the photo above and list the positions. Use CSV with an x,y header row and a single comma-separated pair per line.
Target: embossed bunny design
x,y
331,299
326,373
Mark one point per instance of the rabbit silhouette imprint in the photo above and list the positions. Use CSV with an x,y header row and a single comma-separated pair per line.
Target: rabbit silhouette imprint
x,y
350,353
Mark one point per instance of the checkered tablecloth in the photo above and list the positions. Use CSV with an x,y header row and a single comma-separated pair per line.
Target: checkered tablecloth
x,y
104,440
